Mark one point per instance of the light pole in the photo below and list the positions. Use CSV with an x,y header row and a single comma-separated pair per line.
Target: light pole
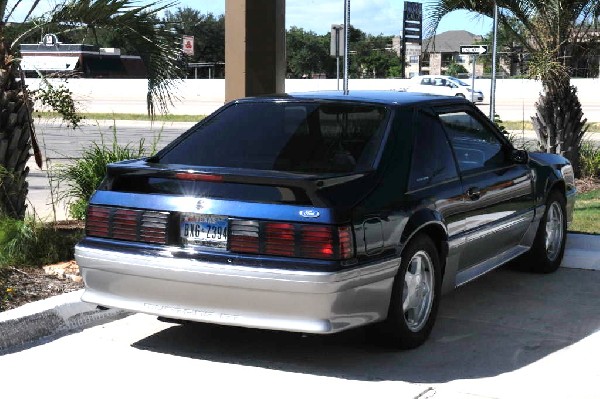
x,y
346,30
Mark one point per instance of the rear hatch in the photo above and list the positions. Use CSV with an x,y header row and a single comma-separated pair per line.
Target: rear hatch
x,y
258,177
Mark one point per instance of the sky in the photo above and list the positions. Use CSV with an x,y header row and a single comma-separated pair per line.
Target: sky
x,y
371,16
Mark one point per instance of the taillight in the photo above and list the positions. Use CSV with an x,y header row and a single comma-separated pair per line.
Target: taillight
x,y
243,236
279,239
124,224
96,222
127,224
198,177
317,242
291,239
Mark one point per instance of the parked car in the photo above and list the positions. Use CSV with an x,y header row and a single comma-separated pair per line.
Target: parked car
x,y
321,212
445,86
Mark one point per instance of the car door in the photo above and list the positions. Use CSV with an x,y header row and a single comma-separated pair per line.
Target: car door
x,y
424,85
498,191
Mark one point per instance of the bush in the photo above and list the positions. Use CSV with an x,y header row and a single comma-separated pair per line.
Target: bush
x,y
30,242
589,159
77,182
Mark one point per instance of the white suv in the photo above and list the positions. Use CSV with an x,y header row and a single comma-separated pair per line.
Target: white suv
x,y
444,86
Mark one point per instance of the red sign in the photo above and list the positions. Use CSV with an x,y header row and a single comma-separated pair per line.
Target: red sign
x,y
187,46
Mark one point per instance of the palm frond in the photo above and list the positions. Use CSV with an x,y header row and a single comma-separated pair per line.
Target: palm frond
x,y
137,24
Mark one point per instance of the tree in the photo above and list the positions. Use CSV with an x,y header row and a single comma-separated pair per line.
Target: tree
x,y
307,53
208,32
556,33
454,69
509,48
134,24
372,56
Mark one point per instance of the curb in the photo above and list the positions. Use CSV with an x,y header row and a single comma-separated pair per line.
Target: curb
x,y
582,252
49,317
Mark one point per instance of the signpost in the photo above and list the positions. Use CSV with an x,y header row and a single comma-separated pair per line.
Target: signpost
x,y
337,48
494,56
473,50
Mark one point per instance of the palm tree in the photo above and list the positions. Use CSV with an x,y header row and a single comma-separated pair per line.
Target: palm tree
x,y
135,24
556,34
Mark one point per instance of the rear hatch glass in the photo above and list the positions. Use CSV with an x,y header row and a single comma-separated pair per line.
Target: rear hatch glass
x,y
298,137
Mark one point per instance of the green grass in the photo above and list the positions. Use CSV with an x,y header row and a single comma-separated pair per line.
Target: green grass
x,y
126,117
519,125
509,125
586,218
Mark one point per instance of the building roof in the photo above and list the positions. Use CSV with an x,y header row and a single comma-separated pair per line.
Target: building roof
x,y
450,41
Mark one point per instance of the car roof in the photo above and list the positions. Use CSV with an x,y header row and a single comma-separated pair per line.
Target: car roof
x,y
438,77
384,97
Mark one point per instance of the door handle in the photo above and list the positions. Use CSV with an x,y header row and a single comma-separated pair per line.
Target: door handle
x,y
474,193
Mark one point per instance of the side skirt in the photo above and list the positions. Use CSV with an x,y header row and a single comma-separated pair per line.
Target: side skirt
x,y
488,265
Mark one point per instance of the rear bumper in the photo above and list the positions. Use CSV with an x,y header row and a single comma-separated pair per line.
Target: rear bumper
x,y
190,289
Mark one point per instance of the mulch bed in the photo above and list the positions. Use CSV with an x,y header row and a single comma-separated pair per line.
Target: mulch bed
x,y
587,184
21,286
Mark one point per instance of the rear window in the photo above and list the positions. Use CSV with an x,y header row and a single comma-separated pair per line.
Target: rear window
x,y
285,136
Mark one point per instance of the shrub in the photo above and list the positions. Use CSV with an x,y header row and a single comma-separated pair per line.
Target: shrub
x,y
589,159
30,242
76,182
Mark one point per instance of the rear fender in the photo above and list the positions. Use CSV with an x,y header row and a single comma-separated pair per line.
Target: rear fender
x,y
430,222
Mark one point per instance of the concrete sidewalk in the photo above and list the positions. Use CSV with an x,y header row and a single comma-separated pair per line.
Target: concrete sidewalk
x,y
65,313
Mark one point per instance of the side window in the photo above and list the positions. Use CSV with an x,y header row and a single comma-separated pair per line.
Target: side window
x,y
432,160
475,146
426,81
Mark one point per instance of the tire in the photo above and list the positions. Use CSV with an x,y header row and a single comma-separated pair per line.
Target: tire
x,y
460,95
415,296
548,247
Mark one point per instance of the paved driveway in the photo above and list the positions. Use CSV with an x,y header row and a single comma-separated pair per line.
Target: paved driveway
x,y
507,335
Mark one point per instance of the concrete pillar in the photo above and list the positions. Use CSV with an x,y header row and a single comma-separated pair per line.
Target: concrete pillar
x,y
255,61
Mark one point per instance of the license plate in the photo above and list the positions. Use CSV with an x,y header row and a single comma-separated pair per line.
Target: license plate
x,y
204,230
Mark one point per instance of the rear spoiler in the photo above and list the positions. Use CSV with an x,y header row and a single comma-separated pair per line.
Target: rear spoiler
x,y
311,184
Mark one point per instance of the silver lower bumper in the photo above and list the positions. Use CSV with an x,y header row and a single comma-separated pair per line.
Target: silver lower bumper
x,y
189,289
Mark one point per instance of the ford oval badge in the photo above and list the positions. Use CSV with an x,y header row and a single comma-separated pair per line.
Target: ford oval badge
x,y
309,213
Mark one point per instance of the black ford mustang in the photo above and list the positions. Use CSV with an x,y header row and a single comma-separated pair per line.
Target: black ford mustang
x,y
320,212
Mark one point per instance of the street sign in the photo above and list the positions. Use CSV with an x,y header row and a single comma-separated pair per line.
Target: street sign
x,y
187,45
477,49
336,47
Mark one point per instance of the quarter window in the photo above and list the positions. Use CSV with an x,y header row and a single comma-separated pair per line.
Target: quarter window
x,y
432,160
475,146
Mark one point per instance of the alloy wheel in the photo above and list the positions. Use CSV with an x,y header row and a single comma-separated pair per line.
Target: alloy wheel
x,y
417,296
554,231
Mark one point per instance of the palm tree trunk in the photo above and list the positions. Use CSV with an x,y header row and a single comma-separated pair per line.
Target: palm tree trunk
x,y
559,122
15,137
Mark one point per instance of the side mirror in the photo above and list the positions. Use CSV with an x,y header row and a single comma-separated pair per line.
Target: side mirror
x,y
519,156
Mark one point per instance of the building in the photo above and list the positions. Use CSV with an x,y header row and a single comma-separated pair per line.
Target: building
x,y
412,56
53,58
442,50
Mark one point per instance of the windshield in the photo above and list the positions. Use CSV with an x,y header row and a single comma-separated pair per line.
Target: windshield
x,y
458,81
285,136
